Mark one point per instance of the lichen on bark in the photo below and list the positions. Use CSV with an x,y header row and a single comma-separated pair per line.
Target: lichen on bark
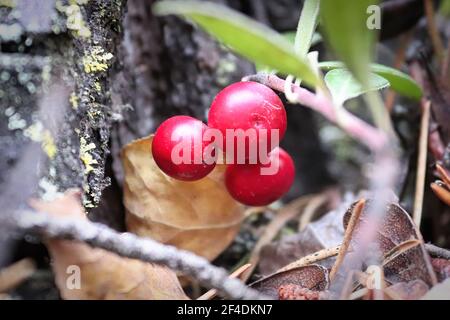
x,y
69,41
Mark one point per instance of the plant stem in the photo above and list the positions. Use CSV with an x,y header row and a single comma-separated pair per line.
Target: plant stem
x,y
354,219
380,114
433,31
306,26
421,164
373,138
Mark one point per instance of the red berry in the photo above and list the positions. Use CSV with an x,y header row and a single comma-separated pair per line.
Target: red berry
x,y
248,184
179,150
248,105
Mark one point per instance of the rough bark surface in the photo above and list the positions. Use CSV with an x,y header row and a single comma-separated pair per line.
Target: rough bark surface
x,y
122,72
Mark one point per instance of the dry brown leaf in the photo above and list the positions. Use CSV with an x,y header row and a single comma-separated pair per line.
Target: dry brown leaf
x,y
440,291
104,275
312,277
198,216
15,274
398,229
412,290
326,232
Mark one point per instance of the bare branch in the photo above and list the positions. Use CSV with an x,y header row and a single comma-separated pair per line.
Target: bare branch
x,y
131,246
437,251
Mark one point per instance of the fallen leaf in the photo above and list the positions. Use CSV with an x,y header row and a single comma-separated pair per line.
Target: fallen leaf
x,y
326,232
103,275
283,216
411,261
15,274
313,277
412,290
198,216
295,292
440,291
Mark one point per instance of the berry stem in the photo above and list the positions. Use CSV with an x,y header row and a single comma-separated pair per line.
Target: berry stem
x,y
367,134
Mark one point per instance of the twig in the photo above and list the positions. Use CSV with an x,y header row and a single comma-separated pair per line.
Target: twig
x,y
356,213
354,126
310,210
15,274
421,164
312,258
131,246
235,274
286,213
437,251
359,294
433,31
400,249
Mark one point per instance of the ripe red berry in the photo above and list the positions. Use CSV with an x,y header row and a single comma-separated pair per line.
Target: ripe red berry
x,y
248,105
179,150
251,185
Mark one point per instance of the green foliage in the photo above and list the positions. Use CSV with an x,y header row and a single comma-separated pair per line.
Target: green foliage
x,y
245,36
346,31
306,26
399,81
343,86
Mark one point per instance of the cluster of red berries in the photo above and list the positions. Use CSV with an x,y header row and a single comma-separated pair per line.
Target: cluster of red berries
x,y
244,106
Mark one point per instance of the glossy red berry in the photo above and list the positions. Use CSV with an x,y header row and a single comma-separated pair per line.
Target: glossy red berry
x,y
261,184
248,105
179,150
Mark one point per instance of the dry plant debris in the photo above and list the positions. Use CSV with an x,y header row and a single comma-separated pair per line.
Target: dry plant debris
x,y
198,216
104,275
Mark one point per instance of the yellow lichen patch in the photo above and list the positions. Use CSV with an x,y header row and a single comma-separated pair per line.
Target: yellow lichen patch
x,y
37,133
75,21
96,60
48,144
85,156
8,3
97,86
73,101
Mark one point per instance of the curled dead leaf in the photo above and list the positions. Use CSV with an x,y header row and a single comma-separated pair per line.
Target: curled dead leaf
x,y
103,275
312,277
412,290
440,291
198,216
401,244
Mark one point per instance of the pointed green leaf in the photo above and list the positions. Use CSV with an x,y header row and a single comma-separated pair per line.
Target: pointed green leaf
x,y
343,86
348,34
306,26
245,36
399,81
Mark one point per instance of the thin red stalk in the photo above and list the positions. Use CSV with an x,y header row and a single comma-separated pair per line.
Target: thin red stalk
x,y
354,126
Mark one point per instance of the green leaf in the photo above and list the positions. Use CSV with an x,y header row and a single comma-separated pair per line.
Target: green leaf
x,y
343,86
245,36
306,26
290,36
399,81
346,31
